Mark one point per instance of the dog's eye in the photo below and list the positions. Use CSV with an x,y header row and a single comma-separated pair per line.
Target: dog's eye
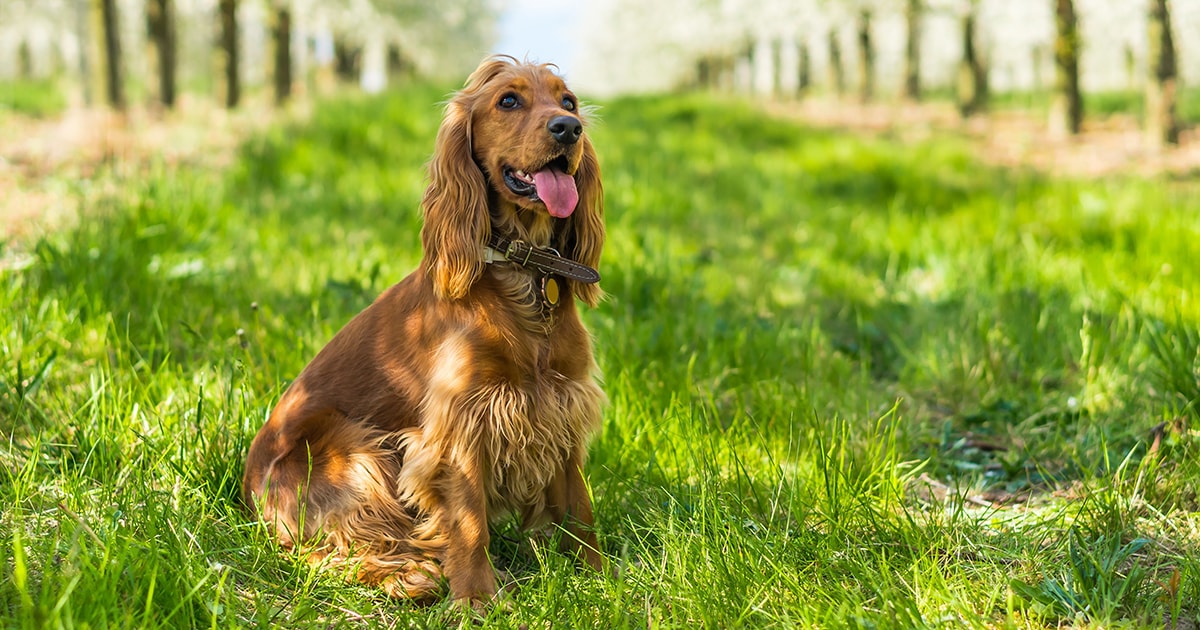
x,y
568,103
509,101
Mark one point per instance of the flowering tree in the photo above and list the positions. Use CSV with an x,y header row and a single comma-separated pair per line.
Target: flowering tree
x,y
256,39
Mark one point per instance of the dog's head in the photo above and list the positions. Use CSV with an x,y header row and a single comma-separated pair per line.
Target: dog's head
x,y
512,141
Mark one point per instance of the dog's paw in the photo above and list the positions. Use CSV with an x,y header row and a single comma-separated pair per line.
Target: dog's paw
x,y
418,581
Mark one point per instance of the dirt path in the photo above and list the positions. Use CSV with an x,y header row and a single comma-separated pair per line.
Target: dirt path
x,y
43,161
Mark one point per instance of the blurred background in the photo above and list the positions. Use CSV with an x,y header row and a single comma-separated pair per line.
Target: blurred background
x,y
68,53
904,46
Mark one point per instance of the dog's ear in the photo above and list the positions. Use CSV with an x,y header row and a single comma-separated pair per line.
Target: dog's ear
x,y
457,226
586,239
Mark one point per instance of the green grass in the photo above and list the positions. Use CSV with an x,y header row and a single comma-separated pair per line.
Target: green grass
x,y
32,97
1127,102
1103,104
810,337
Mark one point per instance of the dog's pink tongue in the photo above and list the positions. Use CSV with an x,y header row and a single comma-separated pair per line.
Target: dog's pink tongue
x,y
557,190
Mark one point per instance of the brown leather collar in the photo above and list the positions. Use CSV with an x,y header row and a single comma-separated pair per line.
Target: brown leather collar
x,y
546,260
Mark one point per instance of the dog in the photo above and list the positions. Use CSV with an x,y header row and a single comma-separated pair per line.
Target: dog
x,y
467,392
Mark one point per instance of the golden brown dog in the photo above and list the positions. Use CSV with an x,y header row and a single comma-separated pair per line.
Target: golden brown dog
x,y
466,391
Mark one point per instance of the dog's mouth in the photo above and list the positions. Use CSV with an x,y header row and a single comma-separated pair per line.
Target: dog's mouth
x,y
550,185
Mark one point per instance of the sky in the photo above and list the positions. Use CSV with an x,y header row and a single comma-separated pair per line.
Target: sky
x,y
546,31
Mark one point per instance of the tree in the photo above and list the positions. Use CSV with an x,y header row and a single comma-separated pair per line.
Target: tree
x,y
972,73
423,29
83,34
347,60
283,53
229,44
1162,125
112,54
837,73
805,79
912,49
1066,111
866,56
160,22
24,60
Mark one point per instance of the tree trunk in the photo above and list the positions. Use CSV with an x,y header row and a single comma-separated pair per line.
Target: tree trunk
x,y
837,74
1162,125
972,74
112,54
763,62
912,50
83,15
1067,109
346,60
866,57
24,60
1037,57
805,79
372,76
399,67
704,73
283,54
229,44
160,20
1131,74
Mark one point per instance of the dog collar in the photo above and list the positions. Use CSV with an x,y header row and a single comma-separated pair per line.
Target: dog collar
x,y
547,260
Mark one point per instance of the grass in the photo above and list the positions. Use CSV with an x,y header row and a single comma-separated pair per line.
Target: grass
x,y
1104,104
32,97
852,382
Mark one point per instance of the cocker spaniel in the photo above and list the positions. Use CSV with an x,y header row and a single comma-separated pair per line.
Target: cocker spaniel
x,y
466,392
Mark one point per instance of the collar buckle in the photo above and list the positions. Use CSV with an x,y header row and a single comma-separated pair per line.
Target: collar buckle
x,y
545,260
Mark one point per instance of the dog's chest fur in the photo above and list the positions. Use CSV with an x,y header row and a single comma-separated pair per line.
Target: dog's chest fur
x,y
524,417
527,432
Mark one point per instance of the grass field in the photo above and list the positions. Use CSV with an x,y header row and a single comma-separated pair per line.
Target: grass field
x,y
852,382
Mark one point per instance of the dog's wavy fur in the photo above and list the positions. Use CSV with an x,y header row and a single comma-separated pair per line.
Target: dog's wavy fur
x,y
454,399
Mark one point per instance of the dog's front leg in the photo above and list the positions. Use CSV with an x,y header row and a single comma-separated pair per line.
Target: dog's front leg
x,y
466,564
571,507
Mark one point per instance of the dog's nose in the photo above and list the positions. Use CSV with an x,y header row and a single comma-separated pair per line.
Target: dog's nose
x,y
565,129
